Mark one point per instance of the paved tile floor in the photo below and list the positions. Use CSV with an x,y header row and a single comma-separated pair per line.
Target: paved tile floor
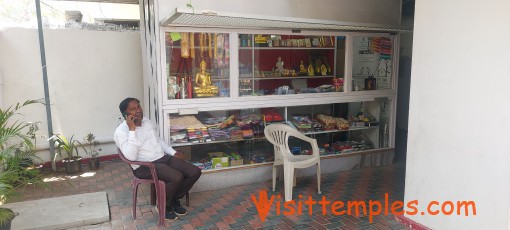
x,y
233,208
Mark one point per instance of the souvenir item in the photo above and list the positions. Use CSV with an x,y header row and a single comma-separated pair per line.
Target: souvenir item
x,y
310,70
192,44
204,87
185,45
324,70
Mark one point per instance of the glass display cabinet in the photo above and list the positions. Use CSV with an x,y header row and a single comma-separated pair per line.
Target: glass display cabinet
x,y
222,87
230,138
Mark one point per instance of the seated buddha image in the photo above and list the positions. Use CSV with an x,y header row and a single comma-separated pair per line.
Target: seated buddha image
x,y
302,68
203,86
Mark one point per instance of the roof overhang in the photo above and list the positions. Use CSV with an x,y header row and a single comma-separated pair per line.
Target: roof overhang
x,y
211,19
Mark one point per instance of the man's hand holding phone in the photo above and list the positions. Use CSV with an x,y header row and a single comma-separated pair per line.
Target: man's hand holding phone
x,y
130,121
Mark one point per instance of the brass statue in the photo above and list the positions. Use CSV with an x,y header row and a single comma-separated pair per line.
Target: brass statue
x,y
204,87
302,68
324,70
310,70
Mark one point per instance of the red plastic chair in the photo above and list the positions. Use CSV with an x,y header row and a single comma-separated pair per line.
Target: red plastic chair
x,y
158,190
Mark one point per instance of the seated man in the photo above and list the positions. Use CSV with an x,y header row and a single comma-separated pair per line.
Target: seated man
x,y
137,139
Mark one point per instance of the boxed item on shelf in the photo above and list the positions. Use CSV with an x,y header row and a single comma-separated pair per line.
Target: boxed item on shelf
x,y
235,159
341,123
302,122
362,119
357,124
236,162
219,160
328,122
317,126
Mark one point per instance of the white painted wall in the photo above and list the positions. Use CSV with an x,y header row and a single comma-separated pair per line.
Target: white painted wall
x,y
89,73
459,146
366,11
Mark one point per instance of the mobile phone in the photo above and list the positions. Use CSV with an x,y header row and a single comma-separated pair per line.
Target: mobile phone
x,y
125,114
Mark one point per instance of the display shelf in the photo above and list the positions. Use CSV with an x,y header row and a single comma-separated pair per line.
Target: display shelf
x,y
330,131
286,78
338,130
323,157
179,144
286,48
356,153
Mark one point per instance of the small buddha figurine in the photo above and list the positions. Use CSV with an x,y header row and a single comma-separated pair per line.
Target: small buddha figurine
x,y
324,70
203,86
310,70
302,69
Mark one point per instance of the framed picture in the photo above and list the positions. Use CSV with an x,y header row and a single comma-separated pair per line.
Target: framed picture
x,y
173,87
370,83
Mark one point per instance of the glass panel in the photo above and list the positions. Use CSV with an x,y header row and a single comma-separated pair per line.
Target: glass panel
x,y
290,64
343,127
218,139
197,65
372,63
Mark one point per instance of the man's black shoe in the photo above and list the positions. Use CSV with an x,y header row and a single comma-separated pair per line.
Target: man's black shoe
x,y
178,209
170,215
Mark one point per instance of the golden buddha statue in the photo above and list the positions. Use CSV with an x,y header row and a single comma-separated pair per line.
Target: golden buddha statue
x,y
324,70
310,70
204,87
302,68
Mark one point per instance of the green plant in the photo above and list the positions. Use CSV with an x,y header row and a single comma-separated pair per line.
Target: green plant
x,y
7,191
67,146
190,5
91,146
12,135
17,151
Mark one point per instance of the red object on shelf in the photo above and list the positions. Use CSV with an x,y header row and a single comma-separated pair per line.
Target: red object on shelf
x,y
271,114
342,147
190,88
178,95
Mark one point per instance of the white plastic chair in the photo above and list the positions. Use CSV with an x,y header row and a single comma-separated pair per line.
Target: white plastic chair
x,y
278,135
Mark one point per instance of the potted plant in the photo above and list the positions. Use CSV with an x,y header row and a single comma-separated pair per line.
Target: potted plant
x,y
69,147
6,215
91,148
17,151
